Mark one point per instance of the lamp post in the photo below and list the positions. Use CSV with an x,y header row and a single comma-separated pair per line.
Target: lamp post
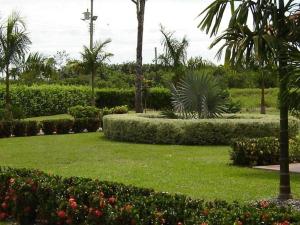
x,y
89,16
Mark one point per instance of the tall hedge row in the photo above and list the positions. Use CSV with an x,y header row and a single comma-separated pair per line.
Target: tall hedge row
x,y
141,129
44,100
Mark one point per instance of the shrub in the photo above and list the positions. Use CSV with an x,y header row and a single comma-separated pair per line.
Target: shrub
x,y
45,100
6,128
34,197
261,151
63,126
120,109
92,124
84,112
49,126
32,128
79,125
20,128
140,129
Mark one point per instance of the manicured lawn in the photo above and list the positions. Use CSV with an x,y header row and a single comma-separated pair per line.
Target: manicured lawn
x,y
60,116
250,99
200,172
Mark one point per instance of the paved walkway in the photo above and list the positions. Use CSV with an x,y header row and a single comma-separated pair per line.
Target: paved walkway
x,y
294,168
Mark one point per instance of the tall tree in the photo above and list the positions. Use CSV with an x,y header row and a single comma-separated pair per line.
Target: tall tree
x,y
267,29
175,52
93,59
14,43
140,12
37,68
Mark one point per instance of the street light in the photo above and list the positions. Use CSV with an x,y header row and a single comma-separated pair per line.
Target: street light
x,y
89,16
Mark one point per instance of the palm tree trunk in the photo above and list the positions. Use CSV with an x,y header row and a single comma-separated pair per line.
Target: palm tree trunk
x,y
285,184
8,113
139,57
93,88
262,102
7,92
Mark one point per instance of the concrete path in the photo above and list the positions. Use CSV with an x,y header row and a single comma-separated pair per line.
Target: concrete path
x,y
294,168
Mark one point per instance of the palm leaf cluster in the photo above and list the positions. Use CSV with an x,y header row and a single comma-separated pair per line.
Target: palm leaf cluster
x,y
198,95
175,55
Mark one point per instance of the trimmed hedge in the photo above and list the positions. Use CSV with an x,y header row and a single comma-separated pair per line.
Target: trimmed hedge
x,y
21,128
142,129
33,197
261,151
45,100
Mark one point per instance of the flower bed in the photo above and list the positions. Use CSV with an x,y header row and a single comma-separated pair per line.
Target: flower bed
x,y
150,129
33,197
262,151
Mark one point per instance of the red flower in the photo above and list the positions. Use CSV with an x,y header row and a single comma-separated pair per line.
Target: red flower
x,y
264,204
4,205
61,214
238,223
112,200
72,200
73,205
98,213
179,223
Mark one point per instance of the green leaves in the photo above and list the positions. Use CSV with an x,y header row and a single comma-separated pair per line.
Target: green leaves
x,y
198,96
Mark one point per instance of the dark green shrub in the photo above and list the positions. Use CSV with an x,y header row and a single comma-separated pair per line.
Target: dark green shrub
x,y
32,128
6,128
49,126
114,97
79,125
84,112
20,128
143,129
31,197
261,151
92,124
63,126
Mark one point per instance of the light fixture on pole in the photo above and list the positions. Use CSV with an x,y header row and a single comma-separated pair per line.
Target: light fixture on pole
x,y
89,16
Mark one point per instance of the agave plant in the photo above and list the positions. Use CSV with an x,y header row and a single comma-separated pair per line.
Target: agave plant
x,y
198,95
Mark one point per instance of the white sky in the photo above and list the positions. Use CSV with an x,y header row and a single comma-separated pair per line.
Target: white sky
x,y
55,25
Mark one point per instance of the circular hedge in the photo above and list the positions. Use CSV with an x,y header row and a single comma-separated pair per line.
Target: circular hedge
x,y
143,128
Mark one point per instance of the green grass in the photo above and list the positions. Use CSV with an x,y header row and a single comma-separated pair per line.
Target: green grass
x,y
40,118
250,98
200,172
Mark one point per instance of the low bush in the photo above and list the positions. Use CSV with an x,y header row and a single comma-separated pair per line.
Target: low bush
x,y
20,128
6,128
84,112
49,126
92,124
79,125
141,129
33,128
63,126
261,151
33,197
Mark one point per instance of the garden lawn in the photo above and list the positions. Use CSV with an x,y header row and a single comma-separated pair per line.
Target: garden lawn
x,y
200,172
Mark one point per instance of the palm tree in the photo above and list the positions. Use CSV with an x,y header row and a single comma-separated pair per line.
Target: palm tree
x,y
175,52
93,59
38,67
14,43
265,28
198,95
140,12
